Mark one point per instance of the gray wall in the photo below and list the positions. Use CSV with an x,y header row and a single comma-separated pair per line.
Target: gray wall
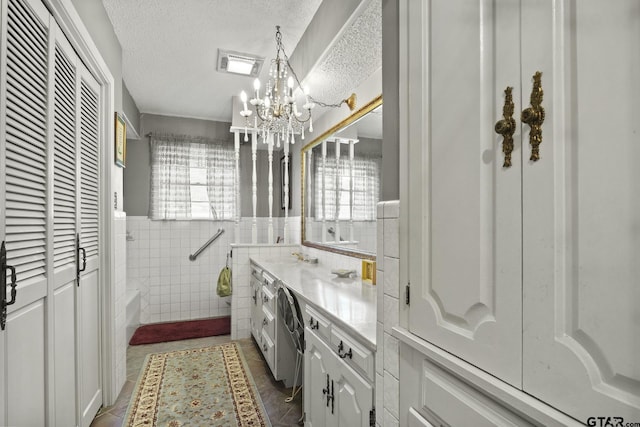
x,y
138,171
130,109
390,93
95,18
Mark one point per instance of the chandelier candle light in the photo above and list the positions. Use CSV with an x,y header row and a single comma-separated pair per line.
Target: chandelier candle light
x,y
278,111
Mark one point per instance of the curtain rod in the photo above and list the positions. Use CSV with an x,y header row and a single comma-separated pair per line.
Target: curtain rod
x,y
186,137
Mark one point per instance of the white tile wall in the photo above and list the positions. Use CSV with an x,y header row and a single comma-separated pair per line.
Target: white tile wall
x,y
388,266
120,344
171,286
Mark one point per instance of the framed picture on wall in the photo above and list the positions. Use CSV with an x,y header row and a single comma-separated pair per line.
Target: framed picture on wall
x,y
282,182
121,142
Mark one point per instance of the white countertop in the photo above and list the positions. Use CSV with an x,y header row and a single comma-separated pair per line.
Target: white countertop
x,y
349,303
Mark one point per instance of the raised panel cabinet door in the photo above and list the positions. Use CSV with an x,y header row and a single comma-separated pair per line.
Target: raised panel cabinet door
x,y
353,397
465,264
318,360
581,206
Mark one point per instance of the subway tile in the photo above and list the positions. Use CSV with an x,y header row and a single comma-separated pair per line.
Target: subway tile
x,y
380,347
391,394
391,238
392,276
389,420
391,350
391,313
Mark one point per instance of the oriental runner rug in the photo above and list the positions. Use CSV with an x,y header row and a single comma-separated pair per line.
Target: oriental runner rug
x,y
209,386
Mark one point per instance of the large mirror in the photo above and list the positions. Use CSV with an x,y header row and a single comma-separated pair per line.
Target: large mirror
x,y
342,183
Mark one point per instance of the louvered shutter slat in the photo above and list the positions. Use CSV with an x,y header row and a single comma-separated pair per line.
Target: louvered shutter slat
x,y
64,182
22,45
89,182
26,104
29,86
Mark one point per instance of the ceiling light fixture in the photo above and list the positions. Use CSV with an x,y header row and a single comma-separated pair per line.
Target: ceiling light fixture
x,y
239,63
277,116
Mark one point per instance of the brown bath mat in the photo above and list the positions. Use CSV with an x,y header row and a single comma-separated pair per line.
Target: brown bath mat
x,y
176,331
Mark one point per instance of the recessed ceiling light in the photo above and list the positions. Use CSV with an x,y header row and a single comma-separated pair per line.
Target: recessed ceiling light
x,y
239,63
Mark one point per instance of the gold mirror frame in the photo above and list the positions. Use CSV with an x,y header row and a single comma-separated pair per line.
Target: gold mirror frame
x,y
372,105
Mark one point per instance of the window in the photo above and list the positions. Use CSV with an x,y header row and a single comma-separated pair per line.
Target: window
x,y
337,186
192,178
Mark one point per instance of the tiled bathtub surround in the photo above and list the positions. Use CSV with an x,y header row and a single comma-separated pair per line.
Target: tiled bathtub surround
x,y
388,277
171,286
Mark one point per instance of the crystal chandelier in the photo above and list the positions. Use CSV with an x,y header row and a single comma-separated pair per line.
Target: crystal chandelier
x,y
276,116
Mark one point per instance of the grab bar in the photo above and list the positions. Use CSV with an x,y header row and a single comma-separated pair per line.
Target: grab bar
x,y
193,257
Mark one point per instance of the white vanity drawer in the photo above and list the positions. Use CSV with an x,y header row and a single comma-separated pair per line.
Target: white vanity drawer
x,y
268,299
268,350
354,353
317,323
268,322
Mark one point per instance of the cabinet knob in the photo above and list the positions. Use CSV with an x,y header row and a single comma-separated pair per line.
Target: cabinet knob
x,y
507,126
264,322
534,117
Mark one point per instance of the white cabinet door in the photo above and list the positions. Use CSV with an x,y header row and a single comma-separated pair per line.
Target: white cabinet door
x,y
89,301
353,397
335,395
464,206
581,208
317,362
24,223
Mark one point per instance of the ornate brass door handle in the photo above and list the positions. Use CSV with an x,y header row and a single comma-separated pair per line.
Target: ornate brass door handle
x,y
534,117
507,126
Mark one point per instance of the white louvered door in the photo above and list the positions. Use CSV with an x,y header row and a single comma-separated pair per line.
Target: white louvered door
x,y
50,356
88,301
65,213
23,221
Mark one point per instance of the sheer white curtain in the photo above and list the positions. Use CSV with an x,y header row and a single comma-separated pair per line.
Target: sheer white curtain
x,y
366,188
192,178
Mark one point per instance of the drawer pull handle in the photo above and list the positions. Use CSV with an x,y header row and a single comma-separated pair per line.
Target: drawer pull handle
x,y
329,393
534,117
312,325
255,298
264,322
507,126
265,348
265,298
342,355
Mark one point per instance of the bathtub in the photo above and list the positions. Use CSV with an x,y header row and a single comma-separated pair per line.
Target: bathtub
x,y
132,298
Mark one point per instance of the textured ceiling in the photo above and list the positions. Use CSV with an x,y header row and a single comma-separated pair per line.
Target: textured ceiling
x,y
352,58
169,48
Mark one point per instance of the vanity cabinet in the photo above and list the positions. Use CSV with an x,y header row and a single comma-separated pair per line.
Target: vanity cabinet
x,y
526,269
338,391
270,334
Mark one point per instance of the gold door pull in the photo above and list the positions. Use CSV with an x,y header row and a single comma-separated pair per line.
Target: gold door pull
x,y
534,117
507,126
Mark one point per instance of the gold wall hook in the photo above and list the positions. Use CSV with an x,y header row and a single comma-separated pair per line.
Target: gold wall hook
x,y
534,117
507,126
